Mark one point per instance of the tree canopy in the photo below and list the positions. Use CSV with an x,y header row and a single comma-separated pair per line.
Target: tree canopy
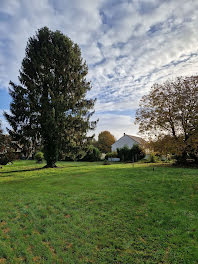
x,y
105,140
6,148
1,137
171,109
131,154
49,106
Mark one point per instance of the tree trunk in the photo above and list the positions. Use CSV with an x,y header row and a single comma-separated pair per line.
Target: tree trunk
x,y
50,165
184,157
132,159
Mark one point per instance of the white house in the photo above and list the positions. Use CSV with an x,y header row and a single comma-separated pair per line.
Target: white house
x,y
127,140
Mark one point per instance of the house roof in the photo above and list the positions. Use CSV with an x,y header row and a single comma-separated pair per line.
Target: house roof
x,y
137,139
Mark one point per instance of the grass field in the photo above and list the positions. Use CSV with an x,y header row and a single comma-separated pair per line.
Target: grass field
x,y
92,213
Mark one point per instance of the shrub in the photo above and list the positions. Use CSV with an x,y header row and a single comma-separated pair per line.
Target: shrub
x,y
39,157
7,153
137,153
111,155
124,154
152,158
134,154
93,154
3,160
7,157
106,162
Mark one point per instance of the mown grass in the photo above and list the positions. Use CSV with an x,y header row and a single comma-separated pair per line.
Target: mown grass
x,y
92,213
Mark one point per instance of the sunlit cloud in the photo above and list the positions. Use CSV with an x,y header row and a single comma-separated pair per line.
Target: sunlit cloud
x,y
128,45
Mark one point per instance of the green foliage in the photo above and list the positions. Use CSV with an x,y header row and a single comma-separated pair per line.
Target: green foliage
x,y
39,156
50,105
1,138
124,214
106,162
152,158
24,130
93,154
134,154
6,149
137,152
113,154
124,154
4,159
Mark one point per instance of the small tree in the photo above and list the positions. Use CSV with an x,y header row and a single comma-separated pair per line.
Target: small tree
x,y
6,150
166,145
105,140
39,157
93,154
152,158
134,154
113,154
124,154
137,153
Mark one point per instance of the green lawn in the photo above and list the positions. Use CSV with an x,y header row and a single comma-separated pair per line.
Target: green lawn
x,y
92,213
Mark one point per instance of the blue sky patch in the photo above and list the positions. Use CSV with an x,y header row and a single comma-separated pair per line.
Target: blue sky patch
x,y
128,46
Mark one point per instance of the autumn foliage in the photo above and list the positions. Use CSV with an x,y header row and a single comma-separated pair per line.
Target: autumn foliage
x,y
105,140
169,115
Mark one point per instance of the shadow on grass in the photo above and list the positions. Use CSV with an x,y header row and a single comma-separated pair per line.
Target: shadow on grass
x,y
33,169
134,165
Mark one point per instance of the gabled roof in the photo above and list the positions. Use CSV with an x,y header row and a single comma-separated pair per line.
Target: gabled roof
x,y
137,139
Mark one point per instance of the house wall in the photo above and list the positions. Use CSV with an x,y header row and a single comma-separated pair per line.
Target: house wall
x,y
123,141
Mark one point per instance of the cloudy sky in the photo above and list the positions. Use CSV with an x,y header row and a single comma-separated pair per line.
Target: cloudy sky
x,y
127,44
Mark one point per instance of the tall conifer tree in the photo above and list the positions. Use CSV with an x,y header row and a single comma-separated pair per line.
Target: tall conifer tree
x,y
50,103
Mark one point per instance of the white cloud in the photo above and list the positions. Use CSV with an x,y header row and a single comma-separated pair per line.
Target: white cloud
x,y
127,45
116,124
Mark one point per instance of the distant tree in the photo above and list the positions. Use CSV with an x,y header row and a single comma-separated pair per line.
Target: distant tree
x,y
6,149
93,154
113,154
124,153
131,154
50,103
105,140
166,144
137,153
94,142
172,109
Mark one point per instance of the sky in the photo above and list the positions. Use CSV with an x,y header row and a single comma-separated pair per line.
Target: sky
x,y
128,46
